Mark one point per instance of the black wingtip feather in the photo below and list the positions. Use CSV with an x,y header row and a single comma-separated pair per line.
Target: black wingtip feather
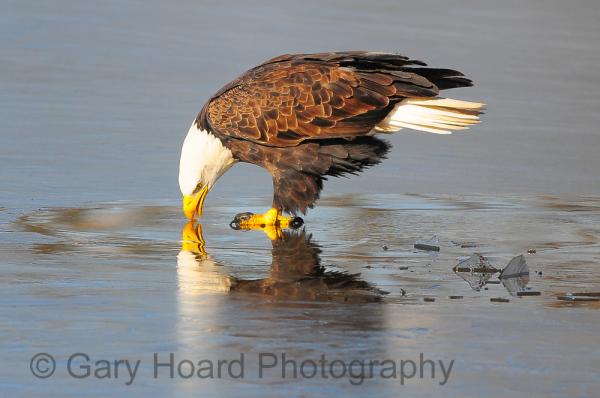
x,y
443,78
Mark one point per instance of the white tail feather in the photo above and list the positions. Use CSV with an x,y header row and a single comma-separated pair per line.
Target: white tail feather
x,y
433,115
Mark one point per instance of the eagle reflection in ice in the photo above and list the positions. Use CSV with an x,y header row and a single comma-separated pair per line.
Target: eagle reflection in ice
x,y
296,272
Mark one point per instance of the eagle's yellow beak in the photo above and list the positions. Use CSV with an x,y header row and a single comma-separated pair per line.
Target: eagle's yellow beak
x,y
192,204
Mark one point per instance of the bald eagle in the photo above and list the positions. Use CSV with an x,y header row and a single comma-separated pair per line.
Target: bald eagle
x,y
305,117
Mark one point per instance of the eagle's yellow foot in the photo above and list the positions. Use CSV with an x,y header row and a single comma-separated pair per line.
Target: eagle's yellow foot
x,y
270,222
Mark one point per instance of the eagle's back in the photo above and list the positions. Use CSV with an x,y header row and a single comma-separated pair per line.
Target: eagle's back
x,y
294,98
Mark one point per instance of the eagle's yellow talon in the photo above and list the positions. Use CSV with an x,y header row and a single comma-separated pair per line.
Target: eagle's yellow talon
x,y
273,232
271,218
270,222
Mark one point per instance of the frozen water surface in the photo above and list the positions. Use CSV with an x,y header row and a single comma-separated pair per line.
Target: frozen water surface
x,y
114,281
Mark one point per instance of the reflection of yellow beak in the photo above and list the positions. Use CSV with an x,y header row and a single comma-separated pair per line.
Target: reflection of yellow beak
x,y
192,204
192,239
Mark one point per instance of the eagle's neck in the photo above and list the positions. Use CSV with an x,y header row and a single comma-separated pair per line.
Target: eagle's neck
x,y
203,160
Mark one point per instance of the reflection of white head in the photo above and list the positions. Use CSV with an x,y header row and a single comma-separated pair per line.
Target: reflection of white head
x,y
203,160
198,274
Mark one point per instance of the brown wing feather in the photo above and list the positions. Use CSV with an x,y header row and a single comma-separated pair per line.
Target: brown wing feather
x,y
293,98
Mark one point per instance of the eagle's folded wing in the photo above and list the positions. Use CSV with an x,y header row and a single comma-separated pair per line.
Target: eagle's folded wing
x,y
290,99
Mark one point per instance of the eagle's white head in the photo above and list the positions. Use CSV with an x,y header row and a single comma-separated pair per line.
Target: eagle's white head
x,y
203,160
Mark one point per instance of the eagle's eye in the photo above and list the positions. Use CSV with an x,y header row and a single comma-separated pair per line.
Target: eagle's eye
x,y
198,187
